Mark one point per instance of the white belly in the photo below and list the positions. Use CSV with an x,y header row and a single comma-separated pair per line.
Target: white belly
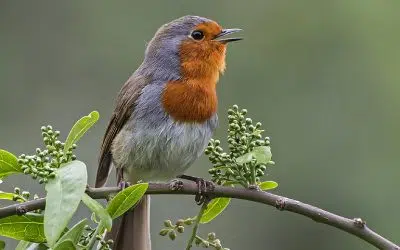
x,y
162,152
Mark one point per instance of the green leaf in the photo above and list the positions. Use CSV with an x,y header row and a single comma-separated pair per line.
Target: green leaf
x,y
125,199
262,154
214,208
36,246
66,245
64,194
99,210
22,245
73,235
80,128
267,185
2,245
28,227
10,196
244,158
8,164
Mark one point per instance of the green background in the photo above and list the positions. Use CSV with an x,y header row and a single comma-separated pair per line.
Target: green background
x,y
322,76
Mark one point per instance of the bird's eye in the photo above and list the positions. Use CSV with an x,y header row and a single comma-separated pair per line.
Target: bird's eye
x,y
197,35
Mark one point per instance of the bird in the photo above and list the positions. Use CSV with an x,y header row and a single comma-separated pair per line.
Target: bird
x,y
164,115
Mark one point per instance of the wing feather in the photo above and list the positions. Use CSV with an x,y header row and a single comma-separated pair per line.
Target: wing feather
x,y
125,105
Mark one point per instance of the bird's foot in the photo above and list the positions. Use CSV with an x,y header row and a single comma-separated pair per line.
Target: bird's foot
x,y
176,185
204,187
123,184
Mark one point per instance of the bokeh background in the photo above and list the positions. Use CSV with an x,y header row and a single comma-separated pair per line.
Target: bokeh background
x,y
322,76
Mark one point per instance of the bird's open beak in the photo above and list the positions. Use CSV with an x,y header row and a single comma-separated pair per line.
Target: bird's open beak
x,y
226,32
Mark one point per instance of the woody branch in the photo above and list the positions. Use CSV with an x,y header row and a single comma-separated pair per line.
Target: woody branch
x,y
355,226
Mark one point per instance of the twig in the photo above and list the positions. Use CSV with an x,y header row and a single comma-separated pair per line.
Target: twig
x,y
355,227
196,225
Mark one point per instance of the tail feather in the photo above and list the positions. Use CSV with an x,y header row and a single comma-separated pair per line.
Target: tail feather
x,y
132,230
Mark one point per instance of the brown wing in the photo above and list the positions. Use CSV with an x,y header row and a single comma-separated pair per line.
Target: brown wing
x,y
125,105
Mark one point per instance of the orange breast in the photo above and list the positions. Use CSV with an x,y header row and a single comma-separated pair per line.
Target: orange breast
x,y
190,100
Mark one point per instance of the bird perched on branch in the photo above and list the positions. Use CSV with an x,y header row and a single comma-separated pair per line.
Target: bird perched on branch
x,y
165,115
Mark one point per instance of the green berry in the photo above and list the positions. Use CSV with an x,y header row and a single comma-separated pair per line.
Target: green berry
x,y
180,229
172,235
168,223
180,222
164,232
211,236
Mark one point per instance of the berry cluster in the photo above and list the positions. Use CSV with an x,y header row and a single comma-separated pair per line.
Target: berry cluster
x,y
211,241
179,227
239,166
171,230
86,237
43,164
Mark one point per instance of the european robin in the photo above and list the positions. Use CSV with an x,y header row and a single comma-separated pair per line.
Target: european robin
x,y
165,115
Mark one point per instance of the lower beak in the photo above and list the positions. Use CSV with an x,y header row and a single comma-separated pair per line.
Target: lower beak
x,y
226,32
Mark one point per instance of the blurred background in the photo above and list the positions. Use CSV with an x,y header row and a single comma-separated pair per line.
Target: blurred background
x,y
322,76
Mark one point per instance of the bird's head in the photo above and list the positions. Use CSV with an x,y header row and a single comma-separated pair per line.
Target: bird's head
x,y
190,46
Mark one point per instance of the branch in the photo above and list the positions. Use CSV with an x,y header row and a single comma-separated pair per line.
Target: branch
x,y
355,227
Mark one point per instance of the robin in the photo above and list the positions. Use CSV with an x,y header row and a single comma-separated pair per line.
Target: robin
x,y
165,115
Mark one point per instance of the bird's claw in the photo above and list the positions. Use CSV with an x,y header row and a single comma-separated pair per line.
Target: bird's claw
x,y
123,184
176,185
204,187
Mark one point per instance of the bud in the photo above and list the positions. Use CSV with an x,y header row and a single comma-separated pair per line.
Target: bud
x,y
17,190
212,236
188,221
180,229
179,222
164,232
235,107
168,223
217,243
172,235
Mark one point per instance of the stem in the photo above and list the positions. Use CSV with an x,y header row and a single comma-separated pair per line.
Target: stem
x,y
196,225
253,173
352,226
93,239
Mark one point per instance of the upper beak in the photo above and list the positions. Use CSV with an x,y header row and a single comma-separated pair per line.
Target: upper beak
x,y
226,32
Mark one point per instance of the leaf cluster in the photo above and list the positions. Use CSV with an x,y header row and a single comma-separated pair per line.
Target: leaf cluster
x,y
65,180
